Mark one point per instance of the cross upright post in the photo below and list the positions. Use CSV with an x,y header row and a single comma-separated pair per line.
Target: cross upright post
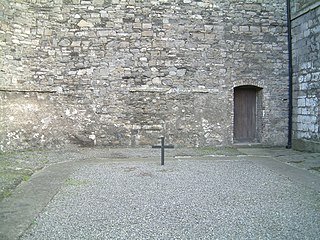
x,y
162,150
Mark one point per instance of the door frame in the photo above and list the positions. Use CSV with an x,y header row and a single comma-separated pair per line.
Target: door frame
x,y
258,113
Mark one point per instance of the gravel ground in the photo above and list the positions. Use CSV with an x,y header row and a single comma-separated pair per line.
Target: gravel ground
x,y
16,167
185,199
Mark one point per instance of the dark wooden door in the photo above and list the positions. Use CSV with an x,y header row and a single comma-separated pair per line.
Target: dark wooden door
x,y
244,114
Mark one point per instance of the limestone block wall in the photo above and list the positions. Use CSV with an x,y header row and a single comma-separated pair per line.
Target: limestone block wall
x,y
124,72
306,78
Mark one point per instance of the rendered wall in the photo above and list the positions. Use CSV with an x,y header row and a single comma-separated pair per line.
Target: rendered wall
x,y
306,77
124,72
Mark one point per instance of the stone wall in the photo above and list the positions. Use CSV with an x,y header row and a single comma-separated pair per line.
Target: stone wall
x,y
299,6
306,76
124,72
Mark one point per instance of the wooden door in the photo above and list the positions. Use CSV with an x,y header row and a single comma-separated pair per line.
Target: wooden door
x,y
245,114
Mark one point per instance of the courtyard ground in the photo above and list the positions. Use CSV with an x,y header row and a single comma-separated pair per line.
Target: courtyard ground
x,y
207,193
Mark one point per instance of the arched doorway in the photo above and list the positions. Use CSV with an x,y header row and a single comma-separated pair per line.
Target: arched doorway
x,y
245,114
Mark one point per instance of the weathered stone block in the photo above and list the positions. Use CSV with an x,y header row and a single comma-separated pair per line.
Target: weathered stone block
x,y
98,2
65,42
84,24
147,33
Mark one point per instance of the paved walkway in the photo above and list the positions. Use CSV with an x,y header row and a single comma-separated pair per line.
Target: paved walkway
x,y
250,193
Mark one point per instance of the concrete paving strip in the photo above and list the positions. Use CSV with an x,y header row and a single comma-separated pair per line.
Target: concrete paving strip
x,y
269,158
19,210
298,175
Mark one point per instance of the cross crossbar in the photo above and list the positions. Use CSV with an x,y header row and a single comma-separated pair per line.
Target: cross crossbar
x,y
165,146
162,146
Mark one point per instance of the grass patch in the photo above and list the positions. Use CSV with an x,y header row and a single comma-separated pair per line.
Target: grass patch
x,y
26,178
6,193
76,182
298,161
315,169
225,151
34,223
14,168
11,178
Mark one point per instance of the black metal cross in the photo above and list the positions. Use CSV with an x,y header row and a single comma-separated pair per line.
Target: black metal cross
x,y
162,149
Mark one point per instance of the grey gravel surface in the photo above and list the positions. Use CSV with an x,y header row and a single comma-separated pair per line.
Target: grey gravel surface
x,y
185,199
